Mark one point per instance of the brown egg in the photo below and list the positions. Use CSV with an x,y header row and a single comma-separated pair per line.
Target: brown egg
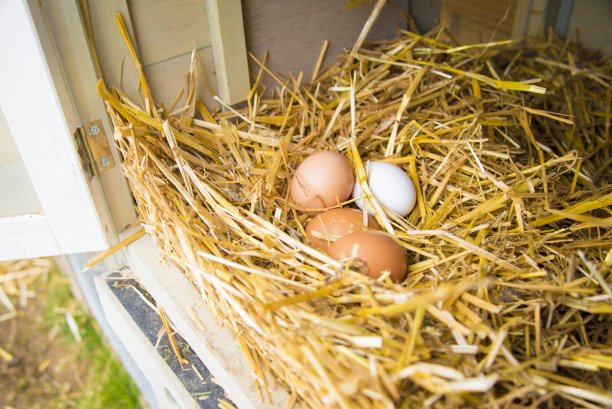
x,y
372,253
323,179
327,227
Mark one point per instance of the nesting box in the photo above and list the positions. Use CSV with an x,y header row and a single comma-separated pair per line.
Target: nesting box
x,y
188,119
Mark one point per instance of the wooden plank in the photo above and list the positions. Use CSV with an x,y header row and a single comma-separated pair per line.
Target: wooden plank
x,y
520,18
591,20
535,18
164,34
117,66
293,32
41,117
229,48
167,29
216,346
74,49
26,236
170,393
168,77
479,21
18,196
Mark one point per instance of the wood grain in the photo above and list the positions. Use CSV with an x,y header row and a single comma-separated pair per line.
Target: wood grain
x,y
226,26
167,29
479,21
71,39
45,139
117,68
168,77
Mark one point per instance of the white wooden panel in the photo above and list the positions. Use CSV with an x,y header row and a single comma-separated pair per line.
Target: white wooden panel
x,y
8,148
76,55
18,196
521,15
41,118
26,237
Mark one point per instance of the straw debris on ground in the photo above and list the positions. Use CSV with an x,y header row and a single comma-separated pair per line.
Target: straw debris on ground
x,y
507,301
52,354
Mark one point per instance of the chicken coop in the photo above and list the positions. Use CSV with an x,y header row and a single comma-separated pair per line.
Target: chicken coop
x,y
149,146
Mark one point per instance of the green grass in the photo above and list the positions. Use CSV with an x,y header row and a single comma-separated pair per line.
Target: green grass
x,y
105,383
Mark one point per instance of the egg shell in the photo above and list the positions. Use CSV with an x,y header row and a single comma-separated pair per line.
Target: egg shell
x,y
327,227
372,253
390,185
322,180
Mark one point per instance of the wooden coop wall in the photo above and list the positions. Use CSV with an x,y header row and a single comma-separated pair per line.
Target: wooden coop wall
x,y
481,21
293,33
478,21
165,33
590,22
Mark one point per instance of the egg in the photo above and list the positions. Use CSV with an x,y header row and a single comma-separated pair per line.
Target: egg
x,y
372,253
322,180
327,227
391,187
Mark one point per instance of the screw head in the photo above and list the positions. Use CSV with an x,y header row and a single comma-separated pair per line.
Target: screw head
x,y
94,130
105,161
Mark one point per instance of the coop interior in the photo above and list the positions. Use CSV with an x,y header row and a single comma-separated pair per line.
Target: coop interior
x,y
495,115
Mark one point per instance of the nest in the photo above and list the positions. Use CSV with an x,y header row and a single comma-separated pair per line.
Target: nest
x,y
507,300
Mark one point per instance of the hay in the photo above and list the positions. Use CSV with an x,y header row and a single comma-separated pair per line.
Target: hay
x,y
507,301
15,278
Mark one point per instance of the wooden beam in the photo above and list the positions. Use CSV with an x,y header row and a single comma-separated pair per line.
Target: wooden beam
x,y
229,49
159,37
216,346
70,36
41,116
26,236
169,391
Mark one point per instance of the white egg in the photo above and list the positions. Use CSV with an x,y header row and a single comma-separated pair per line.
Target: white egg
x,y
390,185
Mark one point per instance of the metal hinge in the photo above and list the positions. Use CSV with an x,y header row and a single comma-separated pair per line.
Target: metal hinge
x,y
93,148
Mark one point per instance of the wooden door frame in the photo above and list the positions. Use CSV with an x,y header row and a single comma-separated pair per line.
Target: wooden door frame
x,y
42,117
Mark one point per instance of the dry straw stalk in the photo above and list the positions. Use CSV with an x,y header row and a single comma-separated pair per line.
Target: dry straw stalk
x,y
507,302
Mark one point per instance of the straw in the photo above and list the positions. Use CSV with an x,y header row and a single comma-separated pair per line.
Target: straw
x,y
507,298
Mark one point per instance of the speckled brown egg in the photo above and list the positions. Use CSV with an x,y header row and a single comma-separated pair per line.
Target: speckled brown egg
x,y
327,227
323,179
371,253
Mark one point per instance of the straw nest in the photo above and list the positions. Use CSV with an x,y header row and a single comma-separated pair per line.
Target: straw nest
x,y
507,301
